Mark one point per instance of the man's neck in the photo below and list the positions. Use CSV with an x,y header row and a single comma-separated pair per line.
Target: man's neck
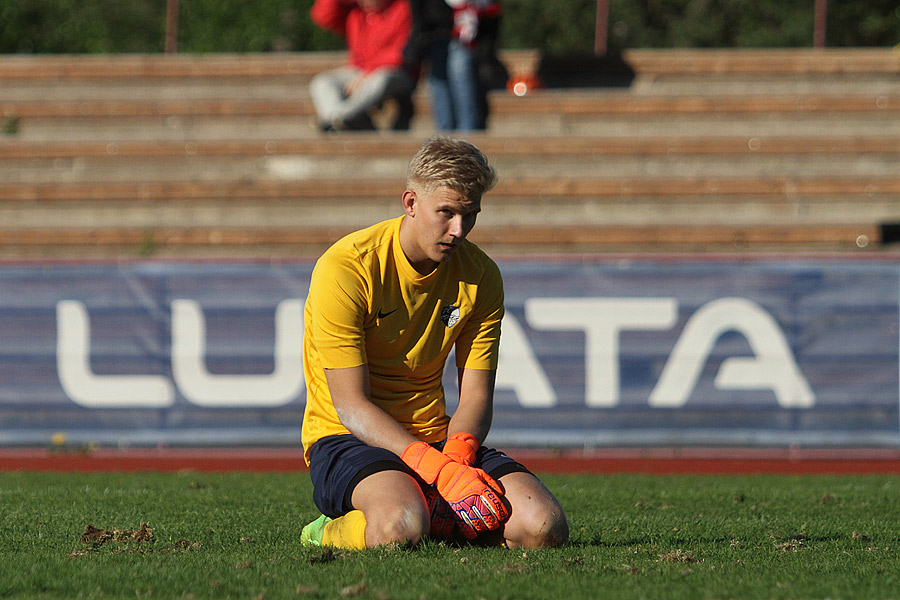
x,y
417,260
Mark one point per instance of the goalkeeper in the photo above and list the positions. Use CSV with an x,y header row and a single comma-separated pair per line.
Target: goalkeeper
x,y
386,305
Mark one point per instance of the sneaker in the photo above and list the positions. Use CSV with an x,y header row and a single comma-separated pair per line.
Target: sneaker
x,y
311,535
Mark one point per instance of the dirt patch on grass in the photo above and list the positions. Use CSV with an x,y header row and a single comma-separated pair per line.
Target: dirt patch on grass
x,y
677,556
792,544
139,540
96,537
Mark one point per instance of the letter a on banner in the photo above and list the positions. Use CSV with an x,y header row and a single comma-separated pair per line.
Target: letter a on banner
x,y
773,366
519,370
284,384
73,357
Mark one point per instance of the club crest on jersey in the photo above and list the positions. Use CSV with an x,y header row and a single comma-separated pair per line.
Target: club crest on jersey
x,y
450,315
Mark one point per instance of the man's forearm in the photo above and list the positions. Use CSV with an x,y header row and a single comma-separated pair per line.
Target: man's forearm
x,y
476,403
374,426
349,390
476,423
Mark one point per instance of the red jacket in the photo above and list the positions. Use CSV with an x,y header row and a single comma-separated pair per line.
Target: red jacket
x,y
374,39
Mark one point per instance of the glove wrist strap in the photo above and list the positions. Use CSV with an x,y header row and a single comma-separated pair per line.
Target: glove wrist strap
x,y
425,460
462,447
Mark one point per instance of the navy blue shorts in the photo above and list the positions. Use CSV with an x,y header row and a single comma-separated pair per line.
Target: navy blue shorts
x,y
338,463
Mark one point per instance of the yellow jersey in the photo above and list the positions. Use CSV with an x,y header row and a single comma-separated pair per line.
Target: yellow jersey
x,y
367,305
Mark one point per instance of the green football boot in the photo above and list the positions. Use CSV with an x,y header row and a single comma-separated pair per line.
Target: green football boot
x,y
311,535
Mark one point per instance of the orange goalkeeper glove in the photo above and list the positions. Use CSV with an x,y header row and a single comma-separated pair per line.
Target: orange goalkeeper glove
x,y
472,494
461,447
444,521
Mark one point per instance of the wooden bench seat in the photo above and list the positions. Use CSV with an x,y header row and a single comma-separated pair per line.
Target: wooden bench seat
x,y
535,239
402,147
774,61
667,61
547,102
101,67
507,188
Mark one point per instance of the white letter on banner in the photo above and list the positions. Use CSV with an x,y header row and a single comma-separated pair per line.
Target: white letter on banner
x,y
602,319
73,351
518,368
276,389
773,367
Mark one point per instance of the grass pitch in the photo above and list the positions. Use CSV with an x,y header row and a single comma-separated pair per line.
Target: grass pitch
x,y
195,535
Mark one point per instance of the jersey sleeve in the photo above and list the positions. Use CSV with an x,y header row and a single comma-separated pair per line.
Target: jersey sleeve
x,y
478,345
338,294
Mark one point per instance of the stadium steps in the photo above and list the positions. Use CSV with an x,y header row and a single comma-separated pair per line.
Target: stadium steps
x,y
653,65
533,215
773,71
686,91
309,242
545,112
387,157
218,154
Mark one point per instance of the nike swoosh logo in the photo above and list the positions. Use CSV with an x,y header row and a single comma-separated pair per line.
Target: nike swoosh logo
x,y
382,314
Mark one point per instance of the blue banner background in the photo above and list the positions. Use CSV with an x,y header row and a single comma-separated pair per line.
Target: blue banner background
x,y
839,319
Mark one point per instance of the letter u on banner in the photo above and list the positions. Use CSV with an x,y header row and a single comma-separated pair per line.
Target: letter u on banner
x,y
82,385
284,384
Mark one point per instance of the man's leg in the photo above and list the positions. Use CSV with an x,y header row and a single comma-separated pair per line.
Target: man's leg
x,y
375,88
367,496
389,507
536,519
394,508
326,90
439,87
463,79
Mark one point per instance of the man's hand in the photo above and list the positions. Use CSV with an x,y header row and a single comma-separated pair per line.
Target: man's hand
x,y
353,85
472,494
461,448
444,521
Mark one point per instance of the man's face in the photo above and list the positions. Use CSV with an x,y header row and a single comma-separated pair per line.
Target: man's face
x,y
437,223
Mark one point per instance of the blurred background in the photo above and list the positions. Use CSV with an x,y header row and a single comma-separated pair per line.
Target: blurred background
x,y
104,26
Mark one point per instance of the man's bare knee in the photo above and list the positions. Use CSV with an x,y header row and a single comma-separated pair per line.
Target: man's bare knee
x,y
394,507
537,519
404,525
553,530
543,526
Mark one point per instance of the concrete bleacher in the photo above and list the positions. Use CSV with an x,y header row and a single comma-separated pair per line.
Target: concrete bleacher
x,y
218,155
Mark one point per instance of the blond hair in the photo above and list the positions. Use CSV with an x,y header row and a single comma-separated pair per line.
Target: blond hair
x,y
450,162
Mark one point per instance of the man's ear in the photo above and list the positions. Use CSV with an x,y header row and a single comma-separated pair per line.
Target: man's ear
x,y
409,203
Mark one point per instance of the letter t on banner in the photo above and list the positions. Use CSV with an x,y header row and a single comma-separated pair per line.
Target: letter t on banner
x,y
602,319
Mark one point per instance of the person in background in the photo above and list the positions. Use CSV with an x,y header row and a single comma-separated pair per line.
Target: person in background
x,y
457,39
376,32
491,72
432,28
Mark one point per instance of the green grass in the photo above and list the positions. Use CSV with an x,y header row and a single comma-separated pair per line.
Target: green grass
x,y
237,536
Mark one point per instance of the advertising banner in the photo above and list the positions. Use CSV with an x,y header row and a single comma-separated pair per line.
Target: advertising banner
x,y
594,352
